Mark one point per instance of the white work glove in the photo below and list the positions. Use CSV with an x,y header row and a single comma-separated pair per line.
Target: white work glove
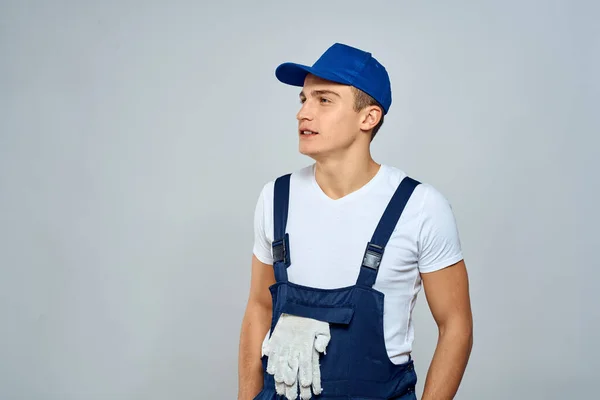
x,y
293,355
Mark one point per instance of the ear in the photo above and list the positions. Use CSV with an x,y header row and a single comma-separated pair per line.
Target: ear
x,y
370,117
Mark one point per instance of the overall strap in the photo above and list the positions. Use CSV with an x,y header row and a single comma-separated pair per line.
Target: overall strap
x,y
383,232
281,244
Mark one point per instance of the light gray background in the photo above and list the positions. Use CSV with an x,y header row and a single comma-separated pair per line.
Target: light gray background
x,y
135,138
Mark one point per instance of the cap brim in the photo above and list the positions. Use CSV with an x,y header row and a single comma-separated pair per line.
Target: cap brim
x,y
294,74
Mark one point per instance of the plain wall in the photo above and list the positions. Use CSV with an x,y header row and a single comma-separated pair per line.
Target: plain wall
x,y
135,138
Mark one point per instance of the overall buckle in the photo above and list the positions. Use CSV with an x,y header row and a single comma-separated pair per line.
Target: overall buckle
x,y
373,256
281,250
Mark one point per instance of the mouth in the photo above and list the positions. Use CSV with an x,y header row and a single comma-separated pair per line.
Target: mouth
x,y
306,133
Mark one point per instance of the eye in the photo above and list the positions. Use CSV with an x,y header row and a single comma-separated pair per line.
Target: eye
x,y
324,100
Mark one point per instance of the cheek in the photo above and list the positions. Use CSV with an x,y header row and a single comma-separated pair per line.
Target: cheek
x,y
343,127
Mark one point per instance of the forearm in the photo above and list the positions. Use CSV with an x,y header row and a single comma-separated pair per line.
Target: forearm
x,y
449,362
255,325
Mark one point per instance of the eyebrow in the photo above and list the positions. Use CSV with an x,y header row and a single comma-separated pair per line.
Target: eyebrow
x,y
320,92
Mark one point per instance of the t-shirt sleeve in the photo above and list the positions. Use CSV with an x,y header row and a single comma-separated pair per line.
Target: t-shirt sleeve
x,y
262,223
439,242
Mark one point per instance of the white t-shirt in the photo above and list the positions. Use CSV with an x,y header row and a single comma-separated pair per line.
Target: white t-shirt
x,y
328,239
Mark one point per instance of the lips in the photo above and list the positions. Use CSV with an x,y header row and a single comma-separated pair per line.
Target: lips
x,y
308,133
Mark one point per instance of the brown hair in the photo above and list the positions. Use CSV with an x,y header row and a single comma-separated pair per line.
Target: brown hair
x,y
362,100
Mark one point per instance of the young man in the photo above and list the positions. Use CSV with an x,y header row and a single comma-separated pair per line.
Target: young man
x,y
342,248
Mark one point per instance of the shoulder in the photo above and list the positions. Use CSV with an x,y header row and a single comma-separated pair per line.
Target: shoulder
x,y
435,207
437,231
297,178
427,197
433,201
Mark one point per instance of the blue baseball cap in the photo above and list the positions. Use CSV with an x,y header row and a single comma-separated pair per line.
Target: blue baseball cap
x,y
346,65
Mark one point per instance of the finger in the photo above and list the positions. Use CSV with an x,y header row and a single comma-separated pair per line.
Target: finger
x,y
280,388
291,391
272,360
305,393
280,365
290,373
305,364
316,373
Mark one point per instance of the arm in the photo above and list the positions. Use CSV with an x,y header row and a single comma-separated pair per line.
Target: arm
x,y
447,293
255,325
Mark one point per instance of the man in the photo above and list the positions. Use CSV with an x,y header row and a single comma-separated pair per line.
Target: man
x,y
342,248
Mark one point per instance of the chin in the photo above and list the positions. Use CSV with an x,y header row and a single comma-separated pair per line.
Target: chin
x,y
310,151
317,154
319,151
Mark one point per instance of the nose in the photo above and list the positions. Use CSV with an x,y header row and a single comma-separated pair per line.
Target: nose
x,y
305,112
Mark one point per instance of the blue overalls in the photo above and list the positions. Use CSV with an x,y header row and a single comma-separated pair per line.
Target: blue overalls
x,y
356,365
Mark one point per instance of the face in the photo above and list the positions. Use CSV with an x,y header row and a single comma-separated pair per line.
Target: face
x,y
328,113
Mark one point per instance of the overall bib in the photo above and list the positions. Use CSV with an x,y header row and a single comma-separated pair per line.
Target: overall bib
x,y
356,365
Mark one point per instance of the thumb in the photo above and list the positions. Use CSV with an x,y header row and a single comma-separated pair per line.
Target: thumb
x,y
321,342
316,373
266,348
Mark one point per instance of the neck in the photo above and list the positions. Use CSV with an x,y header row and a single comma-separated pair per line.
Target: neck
x,y
341,176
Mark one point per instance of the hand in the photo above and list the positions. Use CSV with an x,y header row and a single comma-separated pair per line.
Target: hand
x,y
293,355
